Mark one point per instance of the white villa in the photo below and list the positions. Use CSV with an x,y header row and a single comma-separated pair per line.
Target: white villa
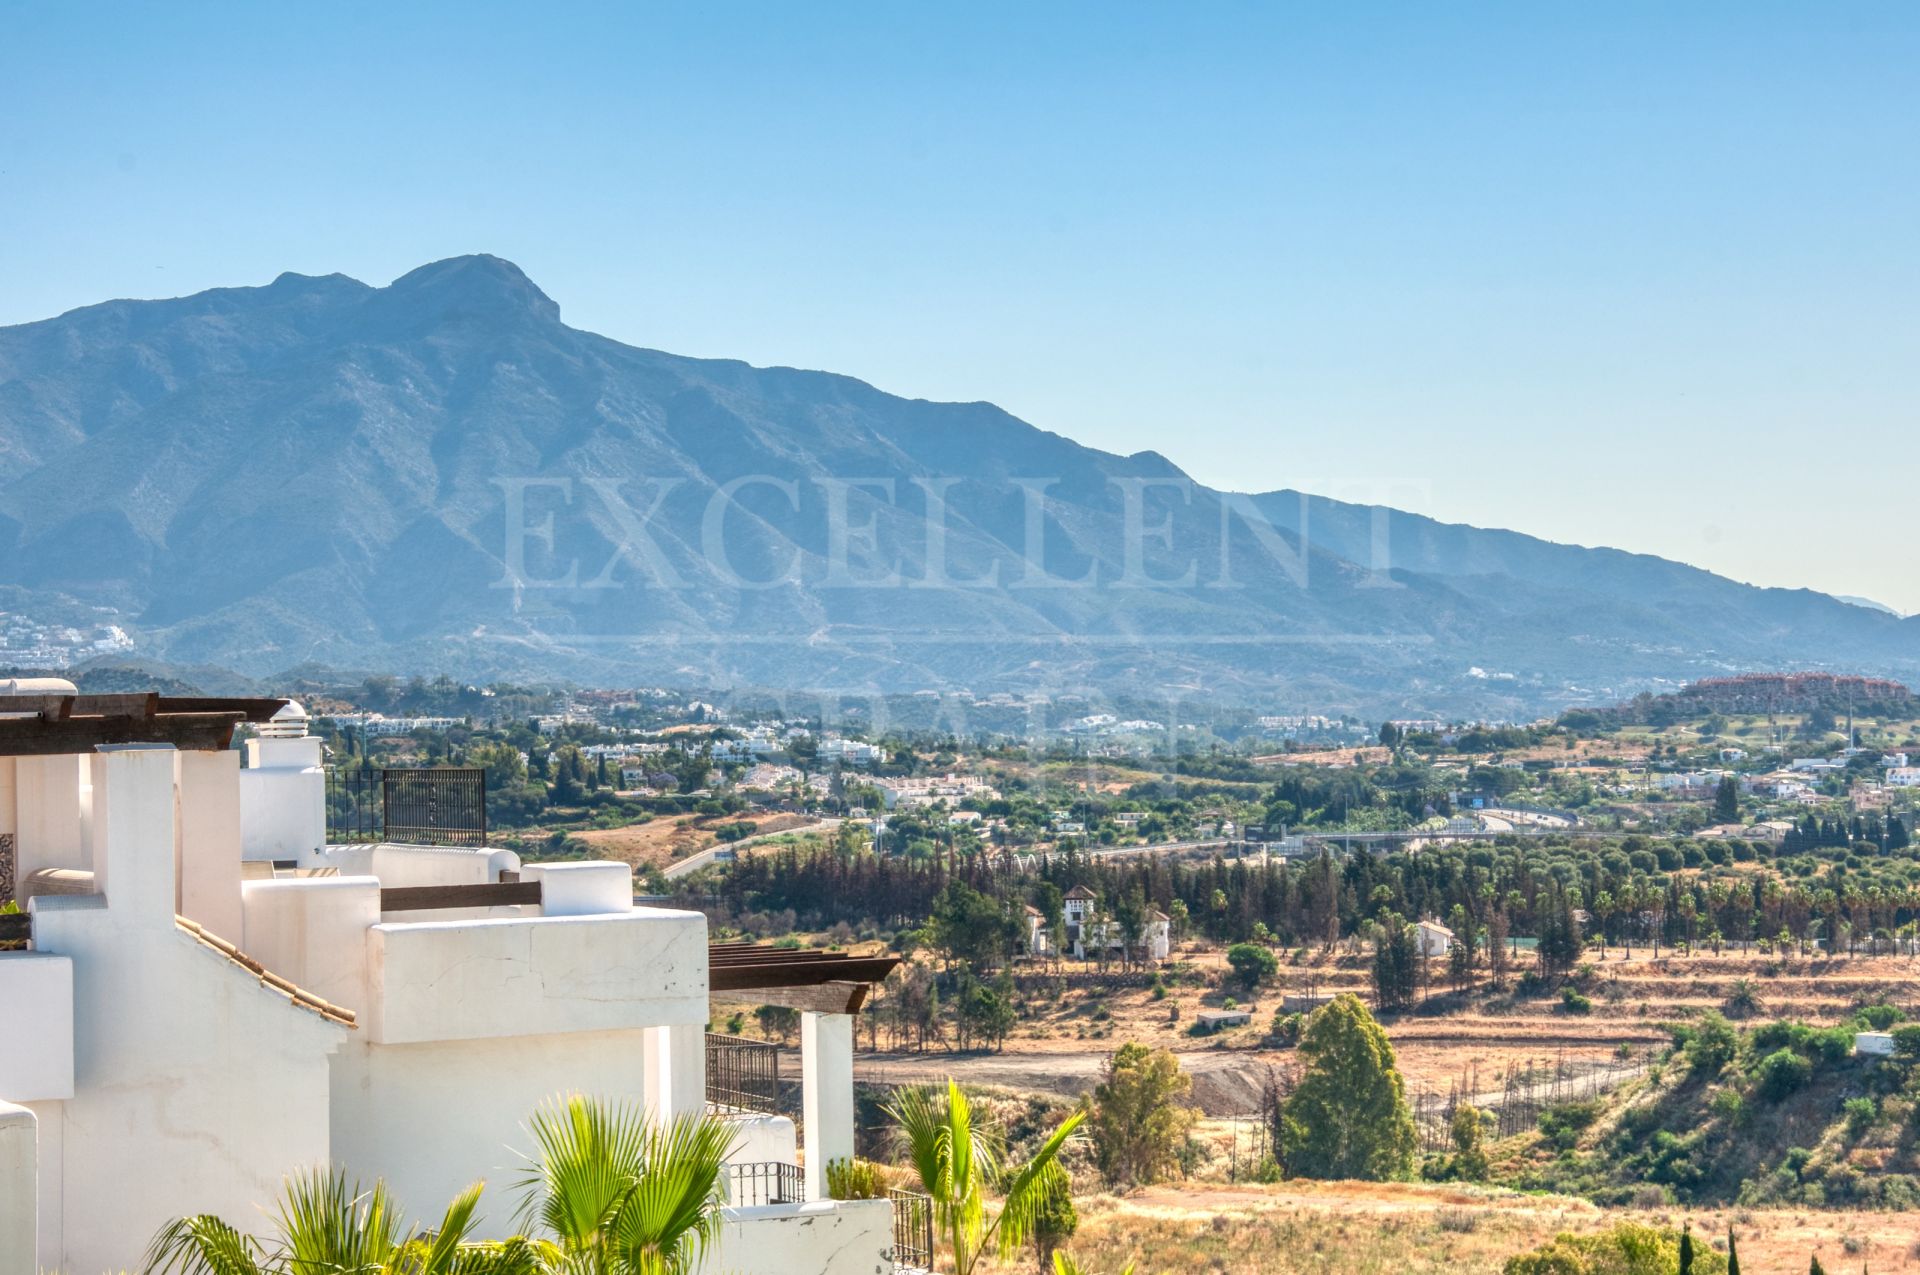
x,y
1089,934
211,996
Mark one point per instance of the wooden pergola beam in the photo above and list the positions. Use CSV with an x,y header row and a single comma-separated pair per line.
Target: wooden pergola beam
x,y
44,736
822,998
770,975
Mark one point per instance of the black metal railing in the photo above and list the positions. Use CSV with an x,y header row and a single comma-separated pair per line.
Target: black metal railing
x,y
742,1075
912,1230
765,1182
354,805
437,806
426,806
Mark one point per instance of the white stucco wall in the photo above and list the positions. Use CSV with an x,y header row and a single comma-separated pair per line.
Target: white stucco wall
x,y
832,1237
763,1139
465,980
52,808
582,889
36,1027
313,932
403,865
195,1087
208,841
19,1191
431,1118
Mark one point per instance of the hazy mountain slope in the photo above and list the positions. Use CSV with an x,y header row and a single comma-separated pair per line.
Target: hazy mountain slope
x,y
439,474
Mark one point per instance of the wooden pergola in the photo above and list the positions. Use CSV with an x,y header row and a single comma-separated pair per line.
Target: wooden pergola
x,y
824,982
44,725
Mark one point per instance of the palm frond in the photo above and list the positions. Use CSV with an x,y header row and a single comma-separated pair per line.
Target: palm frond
x,y
329,1225
1038,1183
671,1217
589,1156
202,1245
438,1252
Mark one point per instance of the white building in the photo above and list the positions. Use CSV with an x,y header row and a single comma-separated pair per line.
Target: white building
x,y
1903,776
1088,932
850,752
906,794
199,1014
1433,938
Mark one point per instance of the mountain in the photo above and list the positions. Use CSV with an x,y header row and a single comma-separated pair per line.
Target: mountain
x,y
440,475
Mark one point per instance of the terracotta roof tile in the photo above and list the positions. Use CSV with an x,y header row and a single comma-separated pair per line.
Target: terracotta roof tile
x,y
299,996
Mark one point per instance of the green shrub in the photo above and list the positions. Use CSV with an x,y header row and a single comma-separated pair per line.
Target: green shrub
x,y
1878,1018
1835,1044
1574,1003
1861,1113
1713,1045
1286,1027
1906,1041
1628,1249
855,1180
1781,1074
1728,1105
1563,1123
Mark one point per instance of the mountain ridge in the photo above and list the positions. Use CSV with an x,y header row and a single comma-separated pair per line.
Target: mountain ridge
x,y
320,469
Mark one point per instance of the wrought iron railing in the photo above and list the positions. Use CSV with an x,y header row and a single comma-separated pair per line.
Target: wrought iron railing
x,y
354,804
912,1230
437,806
426,806
742,1075
765,1182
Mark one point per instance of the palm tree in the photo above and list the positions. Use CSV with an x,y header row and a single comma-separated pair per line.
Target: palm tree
x,y
956,1161
326,1225
621,1194
1064,1265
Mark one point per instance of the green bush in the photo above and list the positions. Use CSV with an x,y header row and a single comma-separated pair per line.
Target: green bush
x,y
1628,1249
1906,1041
1861,1113
1878,1018
1574,1003
1563,1123
1712,1045
1781,1074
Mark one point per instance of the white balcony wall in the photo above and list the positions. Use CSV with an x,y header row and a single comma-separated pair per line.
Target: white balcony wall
x,y
582,889
402,865
313,932
36,1047
433,1117
472,980
831,1237
19,1190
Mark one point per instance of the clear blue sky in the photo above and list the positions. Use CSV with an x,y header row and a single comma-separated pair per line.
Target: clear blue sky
x,y
1630,274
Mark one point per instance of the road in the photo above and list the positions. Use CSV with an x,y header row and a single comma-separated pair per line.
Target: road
x,y
726,849
1225,1082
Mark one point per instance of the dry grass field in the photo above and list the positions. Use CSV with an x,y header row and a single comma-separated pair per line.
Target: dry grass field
x,y
659,842
1362,1228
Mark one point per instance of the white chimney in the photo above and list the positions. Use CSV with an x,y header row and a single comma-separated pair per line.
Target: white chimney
x,y
283,791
